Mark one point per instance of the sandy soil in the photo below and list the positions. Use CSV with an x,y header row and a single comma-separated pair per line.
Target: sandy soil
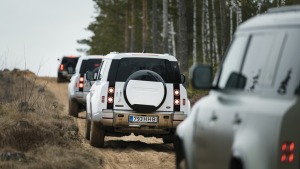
x,y
132,152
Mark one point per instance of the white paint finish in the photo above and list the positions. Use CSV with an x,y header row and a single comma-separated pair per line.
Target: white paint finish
x,y
145,92
116,55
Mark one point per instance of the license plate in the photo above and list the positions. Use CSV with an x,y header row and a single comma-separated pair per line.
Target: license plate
x,y
143,119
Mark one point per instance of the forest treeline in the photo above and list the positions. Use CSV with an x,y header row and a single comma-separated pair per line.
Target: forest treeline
x,y
194,31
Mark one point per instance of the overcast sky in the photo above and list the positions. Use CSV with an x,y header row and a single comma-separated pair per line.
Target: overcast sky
x,y
42,31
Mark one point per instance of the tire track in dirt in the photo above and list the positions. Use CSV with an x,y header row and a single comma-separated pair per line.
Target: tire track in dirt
x,y
132,152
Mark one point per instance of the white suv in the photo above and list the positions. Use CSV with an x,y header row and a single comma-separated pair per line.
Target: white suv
x,y
138,93
78,86
250,119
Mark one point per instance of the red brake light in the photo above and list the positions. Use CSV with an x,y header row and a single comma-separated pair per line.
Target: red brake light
x,y
287,149
283,147
61,67
292,146
283,158
291,158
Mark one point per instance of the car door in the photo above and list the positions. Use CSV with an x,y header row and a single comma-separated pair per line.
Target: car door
x,y
244,71
213,133
96,84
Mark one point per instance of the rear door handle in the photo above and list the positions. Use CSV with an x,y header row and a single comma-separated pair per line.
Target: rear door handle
x,y
237,119
213,117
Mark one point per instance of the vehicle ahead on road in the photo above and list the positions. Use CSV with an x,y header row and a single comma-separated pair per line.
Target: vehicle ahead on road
x,y
138,93
66,68
78,87
250,119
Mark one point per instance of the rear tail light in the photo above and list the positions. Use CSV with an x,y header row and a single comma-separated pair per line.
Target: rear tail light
x,y
287,152
110,99
81,82
176,92
177,102
110,96
111,90
61,67
176,97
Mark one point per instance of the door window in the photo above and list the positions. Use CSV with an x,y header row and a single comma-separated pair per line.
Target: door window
x,y
101,70
287,81
251,62
257,55
233,60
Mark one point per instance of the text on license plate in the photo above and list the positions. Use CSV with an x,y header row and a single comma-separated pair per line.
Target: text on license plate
x,y
143,119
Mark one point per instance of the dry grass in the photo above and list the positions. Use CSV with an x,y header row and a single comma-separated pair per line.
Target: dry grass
x,y
34,132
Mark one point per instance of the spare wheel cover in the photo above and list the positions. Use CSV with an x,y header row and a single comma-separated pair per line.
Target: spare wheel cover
x,y
145,91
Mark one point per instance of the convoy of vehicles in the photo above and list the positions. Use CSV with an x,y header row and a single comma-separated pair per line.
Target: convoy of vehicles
x,y
249,120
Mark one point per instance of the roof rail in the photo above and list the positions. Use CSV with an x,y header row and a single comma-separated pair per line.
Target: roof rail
x,y
284,9
114,52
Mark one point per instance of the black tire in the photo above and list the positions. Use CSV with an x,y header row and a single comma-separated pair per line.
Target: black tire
x,y
87,128
145,75
168,139
97,136
180,155
59,80
73,107
236,163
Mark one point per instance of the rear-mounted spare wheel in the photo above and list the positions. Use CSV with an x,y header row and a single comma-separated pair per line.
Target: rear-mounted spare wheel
x,y
145,91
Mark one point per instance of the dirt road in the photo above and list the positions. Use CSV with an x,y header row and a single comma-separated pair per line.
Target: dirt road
x,y
132,152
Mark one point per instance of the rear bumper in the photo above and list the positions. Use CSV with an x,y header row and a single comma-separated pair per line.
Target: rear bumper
x,y
81,97
64,75
118,121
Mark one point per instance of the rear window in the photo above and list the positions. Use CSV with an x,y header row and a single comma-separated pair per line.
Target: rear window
x,y
89,65
168,70
69,59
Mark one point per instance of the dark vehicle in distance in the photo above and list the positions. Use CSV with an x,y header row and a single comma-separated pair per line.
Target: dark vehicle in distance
x,y
66,68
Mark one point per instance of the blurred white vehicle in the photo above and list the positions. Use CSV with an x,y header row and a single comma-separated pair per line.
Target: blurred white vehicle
x,y
250,119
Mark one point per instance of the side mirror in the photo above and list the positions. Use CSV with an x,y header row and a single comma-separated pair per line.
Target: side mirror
x,y
89,76
182,77
201,76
